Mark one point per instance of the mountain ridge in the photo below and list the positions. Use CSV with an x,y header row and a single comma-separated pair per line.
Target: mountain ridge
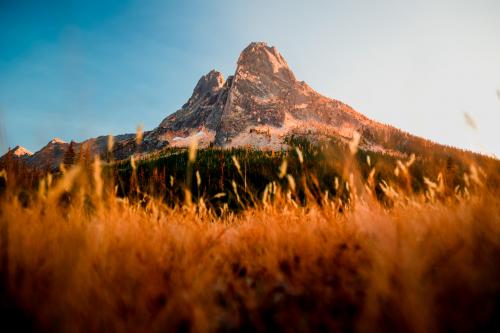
x,y
261,105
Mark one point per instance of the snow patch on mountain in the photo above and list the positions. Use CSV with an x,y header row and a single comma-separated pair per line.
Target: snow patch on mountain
x,y
56,141
203,139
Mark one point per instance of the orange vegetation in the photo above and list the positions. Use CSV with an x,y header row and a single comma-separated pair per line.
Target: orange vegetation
x,y
76,258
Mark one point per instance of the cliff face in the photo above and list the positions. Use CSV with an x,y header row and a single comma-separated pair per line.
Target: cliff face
x,y
265,93
260,105
258,94
201,108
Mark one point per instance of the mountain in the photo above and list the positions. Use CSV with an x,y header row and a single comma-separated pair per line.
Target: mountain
x,y
261,105
49,156
15,158
18,154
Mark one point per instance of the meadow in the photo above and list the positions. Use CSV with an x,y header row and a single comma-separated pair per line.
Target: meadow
x,y
316,238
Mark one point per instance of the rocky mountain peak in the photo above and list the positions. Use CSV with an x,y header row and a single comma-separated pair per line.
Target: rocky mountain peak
x,y
56,141
20,151
209,83
259,59
197,111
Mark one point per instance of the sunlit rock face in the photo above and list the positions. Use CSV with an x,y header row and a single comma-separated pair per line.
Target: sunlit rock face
x,y
265,90
199,109
262,93
258,93
20,152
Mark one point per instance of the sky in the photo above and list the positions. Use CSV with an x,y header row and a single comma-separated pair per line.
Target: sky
x,y
79,69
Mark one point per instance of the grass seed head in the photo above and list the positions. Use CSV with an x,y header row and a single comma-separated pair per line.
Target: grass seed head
x,y
193,147
283,168
299,155
354,143
139,134
110,143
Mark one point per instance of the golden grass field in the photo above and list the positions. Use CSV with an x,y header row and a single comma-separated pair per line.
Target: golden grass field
x,y
100,263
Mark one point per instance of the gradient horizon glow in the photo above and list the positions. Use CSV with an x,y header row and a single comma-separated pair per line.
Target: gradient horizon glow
x,y
79,69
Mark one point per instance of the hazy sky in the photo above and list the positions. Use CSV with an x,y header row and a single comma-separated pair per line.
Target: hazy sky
x,y
77,69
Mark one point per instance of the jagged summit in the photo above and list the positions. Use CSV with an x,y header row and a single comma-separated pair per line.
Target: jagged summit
x,y
262,93
18,154
258,58
20,151
197,112
56,141
209,83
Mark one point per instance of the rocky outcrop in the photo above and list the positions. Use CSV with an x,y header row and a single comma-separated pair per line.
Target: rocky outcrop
x,y
16,155
265,91
199,109
262,96
20,152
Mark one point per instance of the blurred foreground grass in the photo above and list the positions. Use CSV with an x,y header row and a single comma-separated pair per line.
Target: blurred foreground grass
x,y
304,252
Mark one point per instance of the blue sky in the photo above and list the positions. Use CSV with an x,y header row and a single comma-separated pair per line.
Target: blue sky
x,y
77,69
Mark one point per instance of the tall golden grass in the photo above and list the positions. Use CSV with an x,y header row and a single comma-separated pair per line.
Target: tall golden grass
x,y
76,258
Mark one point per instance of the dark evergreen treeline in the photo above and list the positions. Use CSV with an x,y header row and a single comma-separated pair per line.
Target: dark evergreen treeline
x,y
241,177
324,170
